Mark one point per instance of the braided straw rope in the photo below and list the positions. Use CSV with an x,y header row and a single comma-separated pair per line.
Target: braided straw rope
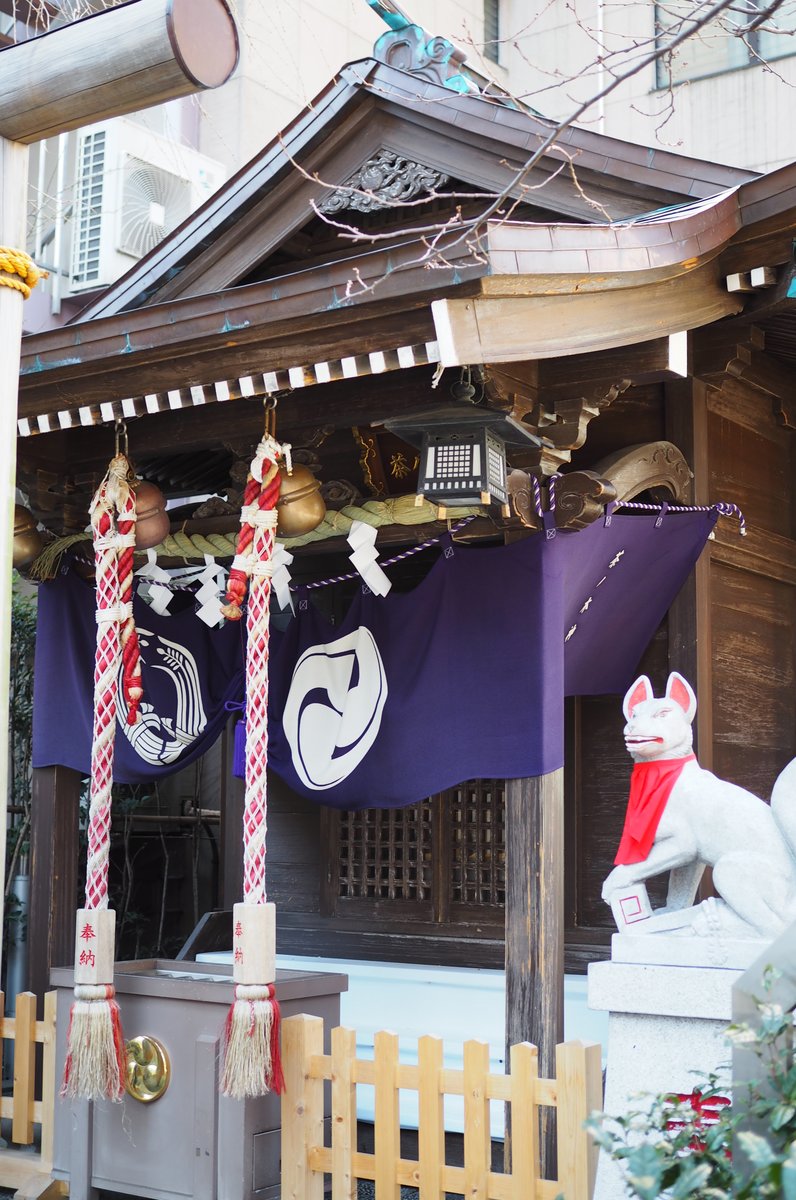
x,y
19,271
401,510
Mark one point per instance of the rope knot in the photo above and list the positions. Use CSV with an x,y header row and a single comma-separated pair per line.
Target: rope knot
x,y
94,991
19,271
254,991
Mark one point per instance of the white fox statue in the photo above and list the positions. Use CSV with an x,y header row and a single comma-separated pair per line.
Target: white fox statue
x,y
681,819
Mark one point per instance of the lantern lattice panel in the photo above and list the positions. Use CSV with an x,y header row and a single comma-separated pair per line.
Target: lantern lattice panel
x,y
386,854
478,832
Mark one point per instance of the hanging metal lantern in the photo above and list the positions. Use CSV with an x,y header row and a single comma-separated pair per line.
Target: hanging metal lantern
x,y
28,541
152,521
463,453
300,506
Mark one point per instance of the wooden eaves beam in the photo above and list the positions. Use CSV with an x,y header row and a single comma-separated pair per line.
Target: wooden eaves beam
x,y
257,328
512,328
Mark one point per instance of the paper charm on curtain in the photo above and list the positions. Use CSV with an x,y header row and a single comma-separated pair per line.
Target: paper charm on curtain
x,y
209,593
362,539
280,577
156,593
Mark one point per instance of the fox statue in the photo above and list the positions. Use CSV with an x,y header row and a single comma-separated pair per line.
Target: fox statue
x,y
682,818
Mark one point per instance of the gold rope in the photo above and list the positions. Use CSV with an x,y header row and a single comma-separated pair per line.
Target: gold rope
x,y
19,271
399,511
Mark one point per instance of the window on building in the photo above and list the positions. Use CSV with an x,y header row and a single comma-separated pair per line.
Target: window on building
x,y
720,45
441,861
492,30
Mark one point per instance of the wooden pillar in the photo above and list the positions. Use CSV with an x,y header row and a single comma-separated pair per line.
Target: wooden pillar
x,y
690,614
535,918
690,649
54,855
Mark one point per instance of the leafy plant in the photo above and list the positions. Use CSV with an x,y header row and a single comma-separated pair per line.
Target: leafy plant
x,y
678,1148
23,638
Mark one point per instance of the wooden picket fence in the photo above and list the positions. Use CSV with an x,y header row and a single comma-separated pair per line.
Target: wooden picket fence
x,y
26,1171
574,1093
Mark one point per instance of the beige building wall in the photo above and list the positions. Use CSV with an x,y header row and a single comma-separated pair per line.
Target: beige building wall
x,y
290,50
551,51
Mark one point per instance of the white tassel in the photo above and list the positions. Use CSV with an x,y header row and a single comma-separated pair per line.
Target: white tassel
x,y
252,1064
95,1053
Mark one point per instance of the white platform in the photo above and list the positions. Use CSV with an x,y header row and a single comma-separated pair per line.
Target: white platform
x,y
454,1003
733,953
667,1030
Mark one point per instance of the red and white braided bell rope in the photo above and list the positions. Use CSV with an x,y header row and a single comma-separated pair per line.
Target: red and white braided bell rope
x,y
251,1045
95,1063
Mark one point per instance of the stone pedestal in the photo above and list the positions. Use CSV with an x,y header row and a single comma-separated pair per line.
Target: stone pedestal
x,y
667,1022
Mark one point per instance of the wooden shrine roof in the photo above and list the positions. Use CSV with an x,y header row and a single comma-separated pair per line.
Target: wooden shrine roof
x,y
613,246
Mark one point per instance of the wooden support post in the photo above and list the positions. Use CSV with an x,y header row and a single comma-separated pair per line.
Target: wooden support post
x,y
524,1113
579,1082
55,811
431,1127
302,1108
535,917
477,1134
344,1113
690,614
387,1121
24,1069
48,1083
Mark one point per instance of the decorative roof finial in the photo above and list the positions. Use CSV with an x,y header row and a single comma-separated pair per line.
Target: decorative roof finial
x,y
391,13
409,47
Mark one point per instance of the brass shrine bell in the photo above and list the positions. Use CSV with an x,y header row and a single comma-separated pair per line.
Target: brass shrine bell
x,y
28,542
152,524
300,506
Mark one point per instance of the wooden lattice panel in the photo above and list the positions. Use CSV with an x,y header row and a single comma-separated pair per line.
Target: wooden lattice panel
x,y
478,850
386,854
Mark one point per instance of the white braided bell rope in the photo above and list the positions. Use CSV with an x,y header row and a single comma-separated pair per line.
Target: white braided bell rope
x,y
106,673
257,629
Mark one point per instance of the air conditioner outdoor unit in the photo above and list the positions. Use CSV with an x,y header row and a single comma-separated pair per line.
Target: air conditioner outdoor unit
x,y
132,188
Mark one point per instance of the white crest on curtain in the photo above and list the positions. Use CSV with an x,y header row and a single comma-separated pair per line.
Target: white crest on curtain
x,y
160,738
334,708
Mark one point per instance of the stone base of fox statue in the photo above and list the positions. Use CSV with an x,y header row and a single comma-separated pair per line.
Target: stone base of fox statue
x,y
668,1014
